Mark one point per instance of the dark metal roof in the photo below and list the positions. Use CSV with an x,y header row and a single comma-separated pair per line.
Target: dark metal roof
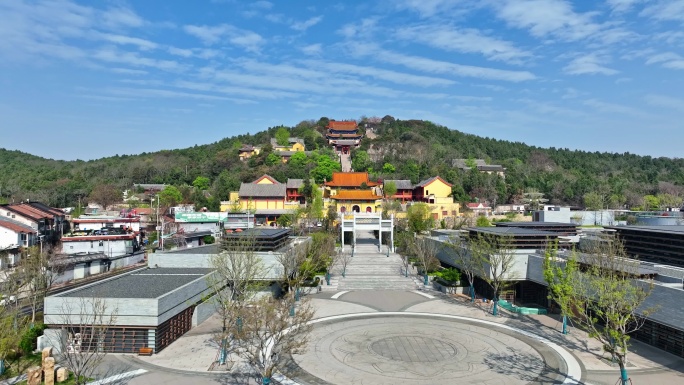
x,y
146,283
515,231
534,224
402,184
262,190
673,230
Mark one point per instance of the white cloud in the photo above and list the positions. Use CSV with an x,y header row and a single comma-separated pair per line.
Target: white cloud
x,y
155,92
180,51
619,109
591,64
127,40
109,55
210,35
312,49
668,60
464,40
304,25
121,17
365,27
436,66
382,74
665,101
128,71
547,18
621,6
262,4
429,8
665,10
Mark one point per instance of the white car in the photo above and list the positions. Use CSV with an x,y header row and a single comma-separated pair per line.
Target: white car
x,y
8,300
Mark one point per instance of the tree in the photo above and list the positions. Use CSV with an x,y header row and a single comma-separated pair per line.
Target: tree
x,y
85,322
533,198
12,324
170,196
388,168
390,189
605,297
272,159
105,195
282,136
298,160
38,271
419,218
330,218
271,332
425,250
361,161
238,270
497,260
594,201
482,221
466,261
560,275
324,169
202,183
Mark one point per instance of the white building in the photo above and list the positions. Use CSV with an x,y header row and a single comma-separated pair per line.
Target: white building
x,y
13,235
109,245
94,222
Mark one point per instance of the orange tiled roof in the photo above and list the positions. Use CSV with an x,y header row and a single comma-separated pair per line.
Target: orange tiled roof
x,y
345,125
356,195
350,179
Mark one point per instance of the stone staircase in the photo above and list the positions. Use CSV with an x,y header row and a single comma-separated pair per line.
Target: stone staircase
x,y
373,270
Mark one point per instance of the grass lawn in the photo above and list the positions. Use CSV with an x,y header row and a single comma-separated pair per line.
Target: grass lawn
x,y
70,381
17,366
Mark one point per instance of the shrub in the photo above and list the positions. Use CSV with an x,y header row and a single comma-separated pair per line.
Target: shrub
x,y
482,222
209,239
449,275
28,340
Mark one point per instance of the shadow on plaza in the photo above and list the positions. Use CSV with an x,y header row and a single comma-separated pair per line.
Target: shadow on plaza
x,y
532,325
523,366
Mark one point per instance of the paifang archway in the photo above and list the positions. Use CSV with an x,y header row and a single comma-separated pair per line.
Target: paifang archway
x,y
356,221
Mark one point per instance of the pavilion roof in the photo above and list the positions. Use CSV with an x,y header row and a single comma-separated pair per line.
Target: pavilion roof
x,y
350,179
344,125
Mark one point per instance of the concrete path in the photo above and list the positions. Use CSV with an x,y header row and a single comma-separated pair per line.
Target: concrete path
x,y
345,161
371,269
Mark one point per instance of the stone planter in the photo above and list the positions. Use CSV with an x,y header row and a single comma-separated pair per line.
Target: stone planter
x,y
447,287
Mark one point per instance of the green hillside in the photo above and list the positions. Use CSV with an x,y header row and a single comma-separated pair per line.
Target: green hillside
x,y
403,149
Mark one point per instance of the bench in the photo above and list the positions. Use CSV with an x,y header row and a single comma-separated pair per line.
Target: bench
x,y
145,351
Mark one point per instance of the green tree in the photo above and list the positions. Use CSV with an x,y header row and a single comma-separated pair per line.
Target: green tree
x,y
298,160
496,259
419,218
202,183
388,168
482,221
594,201
272,159
324,169
390,189
361,161
604,298
282,136
651,202
170,196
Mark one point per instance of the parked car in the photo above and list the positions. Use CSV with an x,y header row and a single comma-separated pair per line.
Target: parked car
x,y
8,300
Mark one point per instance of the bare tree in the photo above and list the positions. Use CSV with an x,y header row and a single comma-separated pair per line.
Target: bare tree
x,y
296,267
343,259
469,264
271,332
497,260
238,275
105,195
605,296
82,341
425,249
38,270
12,324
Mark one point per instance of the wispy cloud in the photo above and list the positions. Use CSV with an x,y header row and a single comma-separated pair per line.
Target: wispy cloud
x,y
665,101
121,17
466,40
312,49
437,66
589,64
429,8
621,6
668,60
547,19
665,10
210,35
382,74
304,25
127,40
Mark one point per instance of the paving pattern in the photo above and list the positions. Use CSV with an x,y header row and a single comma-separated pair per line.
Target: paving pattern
x,y
411,350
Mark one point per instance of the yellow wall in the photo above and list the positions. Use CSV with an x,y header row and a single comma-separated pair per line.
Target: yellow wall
x,y
437,188
297,147
374,204
262,204
265,181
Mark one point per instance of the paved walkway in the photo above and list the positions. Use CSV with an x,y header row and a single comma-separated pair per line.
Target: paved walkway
x,y
195,352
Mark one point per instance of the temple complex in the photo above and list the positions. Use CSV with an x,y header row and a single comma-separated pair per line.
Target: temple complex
x,y
343,135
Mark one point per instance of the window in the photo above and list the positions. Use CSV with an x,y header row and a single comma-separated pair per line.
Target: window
x,y
91,244
445,213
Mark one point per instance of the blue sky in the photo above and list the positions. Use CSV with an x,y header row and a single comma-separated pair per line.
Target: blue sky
x,y
87,79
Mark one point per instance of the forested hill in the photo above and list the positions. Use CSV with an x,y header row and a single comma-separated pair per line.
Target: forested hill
x,y
401,149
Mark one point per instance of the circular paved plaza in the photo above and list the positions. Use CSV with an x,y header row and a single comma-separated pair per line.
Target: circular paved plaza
x,y
422,350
